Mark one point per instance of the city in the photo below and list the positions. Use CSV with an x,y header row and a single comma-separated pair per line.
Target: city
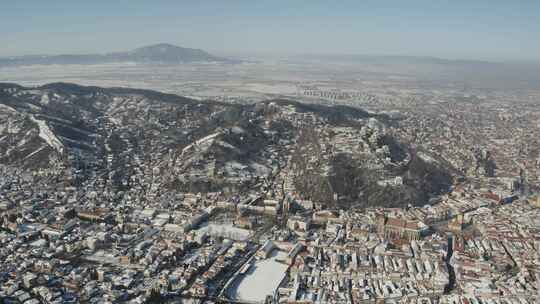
x,y
253,152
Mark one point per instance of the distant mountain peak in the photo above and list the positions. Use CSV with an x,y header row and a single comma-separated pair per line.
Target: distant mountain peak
x,y
155,53
159,46
165,52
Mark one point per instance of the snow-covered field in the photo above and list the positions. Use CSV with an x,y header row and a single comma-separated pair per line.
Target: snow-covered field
x,y
198,80
277,88
262,279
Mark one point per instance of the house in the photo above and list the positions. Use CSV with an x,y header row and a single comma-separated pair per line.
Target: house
x,y
298,223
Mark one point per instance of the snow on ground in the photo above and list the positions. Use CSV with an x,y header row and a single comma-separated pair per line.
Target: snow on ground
x,y
205,142
259,169
426,157
224,230
7,108
47,135
233,165
35,152
44,99
237,130
261,279
207,138
277,88
115,120
228,146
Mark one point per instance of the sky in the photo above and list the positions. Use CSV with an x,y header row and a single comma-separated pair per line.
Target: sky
x,y
456,29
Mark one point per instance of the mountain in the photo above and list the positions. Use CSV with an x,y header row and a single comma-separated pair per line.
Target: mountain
x,y
146,141
170,53
162,53
390,60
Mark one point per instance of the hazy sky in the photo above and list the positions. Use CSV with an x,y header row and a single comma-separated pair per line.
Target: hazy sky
x,y
469,29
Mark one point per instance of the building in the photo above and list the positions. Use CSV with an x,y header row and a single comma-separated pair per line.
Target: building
x,y
299,223
266,250
399,228
456,224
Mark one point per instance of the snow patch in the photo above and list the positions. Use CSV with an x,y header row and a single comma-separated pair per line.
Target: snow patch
x,y
47,135
33,107
237,130
228,146
260,170
7,108
44,99
262,279
234,165
426,157
115,120
35,152
205,140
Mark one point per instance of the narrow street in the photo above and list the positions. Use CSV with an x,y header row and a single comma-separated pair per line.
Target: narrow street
x,y
451,273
